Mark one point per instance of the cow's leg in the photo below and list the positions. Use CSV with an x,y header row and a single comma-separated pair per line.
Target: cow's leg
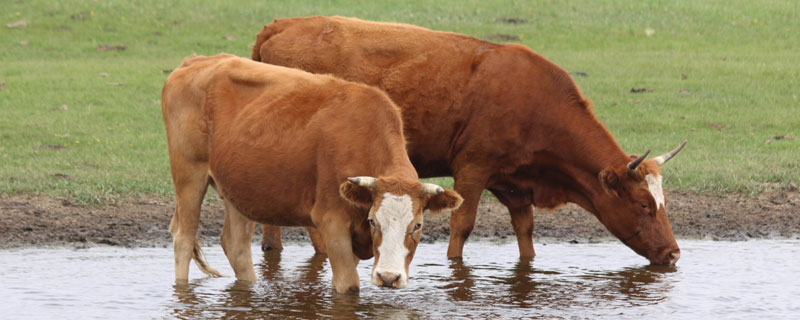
x,y
271,238
522,221
316,240
237,234
470,187
191,183
521,210
336,235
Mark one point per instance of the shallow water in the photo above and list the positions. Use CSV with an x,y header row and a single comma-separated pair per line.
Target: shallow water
x,y
712,280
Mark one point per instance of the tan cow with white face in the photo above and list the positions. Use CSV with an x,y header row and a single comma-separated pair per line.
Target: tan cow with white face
x,y
286,147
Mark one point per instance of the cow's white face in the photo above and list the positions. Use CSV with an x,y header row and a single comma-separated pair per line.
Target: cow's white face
x,y
654,185
395,220
395,227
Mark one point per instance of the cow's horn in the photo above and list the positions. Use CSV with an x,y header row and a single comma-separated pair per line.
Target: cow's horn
x,y
364,181
635,163
665,157
432,188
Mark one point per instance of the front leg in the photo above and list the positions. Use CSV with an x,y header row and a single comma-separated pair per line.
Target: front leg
x,y
335,232
462,221
316,240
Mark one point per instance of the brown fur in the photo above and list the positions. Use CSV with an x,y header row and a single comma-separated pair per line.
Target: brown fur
x,y
493,116
277,144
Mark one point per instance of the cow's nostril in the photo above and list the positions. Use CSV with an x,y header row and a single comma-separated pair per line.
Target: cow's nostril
x,y
388,278
674,256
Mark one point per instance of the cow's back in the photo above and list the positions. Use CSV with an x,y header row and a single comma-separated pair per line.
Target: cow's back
x,y
459,94
425,72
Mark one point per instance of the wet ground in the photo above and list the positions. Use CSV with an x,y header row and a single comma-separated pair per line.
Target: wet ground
x,y
713,280
30,220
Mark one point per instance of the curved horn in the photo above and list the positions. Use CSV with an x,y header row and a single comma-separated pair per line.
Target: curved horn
x,y
665,157
364,181
432,188
635,163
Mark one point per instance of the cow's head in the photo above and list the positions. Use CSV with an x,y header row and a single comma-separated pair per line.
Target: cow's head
x,y
635,209
395,218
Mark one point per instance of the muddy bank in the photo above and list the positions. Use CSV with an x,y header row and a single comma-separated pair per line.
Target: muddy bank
x,y
28,220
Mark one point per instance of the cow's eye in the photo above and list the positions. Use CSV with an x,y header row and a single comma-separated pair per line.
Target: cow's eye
x,y
644,206
417,227
371,222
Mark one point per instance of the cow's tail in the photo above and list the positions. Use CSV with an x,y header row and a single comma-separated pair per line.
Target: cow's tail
x,y
268,31
200,260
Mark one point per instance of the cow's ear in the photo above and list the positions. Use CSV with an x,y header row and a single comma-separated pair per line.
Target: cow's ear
x,y
357,195
447,200
609,181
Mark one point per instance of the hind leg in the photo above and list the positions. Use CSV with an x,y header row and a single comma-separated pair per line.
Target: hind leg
x,y
522,222
191,183
271,238
521,210
237,234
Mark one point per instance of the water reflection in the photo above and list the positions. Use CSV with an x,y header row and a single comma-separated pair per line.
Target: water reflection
x,y
311,272
237,299
302,291
461,283
525,286
188,301
270,266
714,280
521,282
637,286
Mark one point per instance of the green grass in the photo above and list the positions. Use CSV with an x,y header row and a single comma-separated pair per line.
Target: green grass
x,y
741,58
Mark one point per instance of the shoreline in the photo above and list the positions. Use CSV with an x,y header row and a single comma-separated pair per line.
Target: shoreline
x,y
33,221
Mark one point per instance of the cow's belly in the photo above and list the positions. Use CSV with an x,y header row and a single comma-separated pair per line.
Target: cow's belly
x,y
285,207
266,189
431,168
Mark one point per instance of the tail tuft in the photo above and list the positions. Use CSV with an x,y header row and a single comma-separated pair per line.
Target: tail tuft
x,y
200,260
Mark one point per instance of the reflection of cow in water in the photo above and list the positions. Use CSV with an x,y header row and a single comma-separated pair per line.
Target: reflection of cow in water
x,y
287,147
492,116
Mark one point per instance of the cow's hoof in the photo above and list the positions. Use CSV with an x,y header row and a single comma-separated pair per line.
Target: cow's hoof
x,y
351,291
271,246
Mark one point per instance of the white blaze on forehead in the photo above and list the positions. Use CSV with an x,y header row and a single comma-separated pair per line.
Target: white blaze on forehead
x,y
393,217
654,184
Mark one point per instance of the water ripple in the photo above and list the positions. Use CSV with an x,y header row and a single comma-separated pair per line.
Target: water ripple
x,y
712,280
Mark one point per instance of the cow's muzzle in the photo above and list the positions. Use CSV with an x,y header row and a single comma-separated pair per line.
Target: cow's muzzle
x,y
389,280
667,258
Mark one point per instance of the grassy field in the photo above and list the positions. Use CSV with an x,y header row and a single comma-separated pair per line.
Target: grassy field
x,y
84,122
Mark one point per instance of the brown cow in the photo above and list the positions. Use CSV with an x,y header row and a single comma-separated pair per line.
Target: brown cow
x,y
492,116
286,147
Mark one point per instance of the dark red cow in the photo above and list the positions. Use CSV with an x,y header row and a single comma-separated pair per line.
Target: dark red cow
x,y
492,116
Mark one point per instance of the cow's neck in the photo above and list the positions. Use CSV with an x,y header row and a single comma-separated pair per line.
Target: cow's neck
x,y
586,144
401,167
392,159
583,150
